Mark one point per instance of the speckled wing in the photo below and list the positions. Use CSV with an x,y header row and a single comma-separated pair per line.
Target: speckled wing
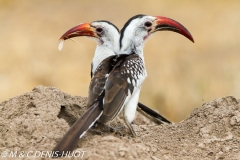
x,y
97,83
99,78
127,75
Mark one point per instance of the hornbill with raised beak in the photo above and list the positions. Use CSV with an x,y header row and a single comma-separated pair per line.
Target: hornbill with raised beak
x,y
119,78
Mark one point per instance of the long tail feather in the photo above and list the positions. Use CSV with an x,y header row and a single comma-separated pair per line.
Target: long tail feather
x,y
78,129
153,114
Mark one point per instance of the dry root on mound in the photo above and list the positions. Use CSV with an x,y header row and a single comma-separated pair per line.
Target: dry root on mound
x,y
37,120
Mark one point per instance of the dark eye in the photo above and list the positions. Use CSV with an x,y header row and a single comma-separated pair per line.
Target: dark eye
x,y
99,30
148,24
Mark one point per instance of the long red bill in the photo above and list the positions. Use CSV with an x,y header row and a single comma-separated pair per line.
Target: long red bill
x,y
83,29
164,23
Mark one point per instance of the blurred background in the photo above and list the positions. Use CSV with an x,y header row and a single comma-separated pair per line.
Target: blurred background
x,y
181,75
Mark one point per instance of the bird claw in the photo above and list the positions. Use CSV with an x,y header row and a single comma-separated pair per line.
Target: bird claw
x,y
116,129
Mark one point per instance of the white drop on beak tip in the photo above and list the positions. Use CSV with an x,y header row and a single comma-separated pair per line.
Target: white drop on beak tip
x,y
60,46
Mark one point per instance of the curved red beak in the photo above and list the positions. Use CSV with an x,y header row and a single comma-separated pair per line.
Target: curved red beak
x,y
163,24
83,29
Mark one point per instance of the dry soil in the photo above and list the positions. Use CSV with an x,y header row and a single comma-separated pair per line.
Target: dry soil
x,y
37,120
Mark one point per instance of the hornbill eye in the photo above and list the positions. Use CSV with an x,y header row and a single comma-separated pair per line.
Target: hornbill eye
x,y
99,30
147,24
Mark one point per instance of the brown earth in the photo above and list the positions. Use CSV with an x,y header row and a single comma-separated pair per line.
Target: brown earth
x,y
37,120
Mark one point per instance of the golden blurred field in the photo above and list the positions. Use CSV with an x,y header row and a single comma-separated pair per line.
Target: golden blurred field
x,y
181,75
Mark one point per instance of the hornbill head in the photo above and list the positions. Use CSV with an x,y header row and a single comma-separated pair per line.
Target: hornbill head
x,y
138,28
104,32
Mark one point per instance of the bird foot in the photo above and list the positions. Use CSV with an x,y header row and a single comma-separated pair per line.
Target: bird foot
x,y
116,129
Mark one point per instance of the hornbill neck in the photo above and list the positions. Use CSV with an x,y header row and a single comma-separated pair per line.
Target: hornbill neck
x,y
101,53
132,49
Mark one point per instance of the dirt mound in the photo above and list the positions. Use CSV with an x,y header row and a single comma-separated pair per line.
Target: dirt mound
x,y
37,120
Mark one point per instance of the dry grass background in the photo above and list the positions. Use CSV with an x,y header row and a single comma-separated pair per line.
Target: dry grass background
x,y
181,75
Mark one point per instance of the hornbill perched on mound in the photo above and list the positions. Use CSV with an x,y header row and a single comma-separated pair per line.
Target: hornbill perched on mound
x,y
107,36
116,83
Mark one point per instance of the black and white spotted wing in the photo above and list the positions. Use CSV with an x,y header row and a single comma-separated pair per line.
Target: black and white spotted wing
x,y
126,76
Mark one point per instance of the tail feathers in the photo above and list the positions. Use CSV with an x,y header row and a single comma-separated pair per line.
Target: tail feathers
x,y
78,129
153,114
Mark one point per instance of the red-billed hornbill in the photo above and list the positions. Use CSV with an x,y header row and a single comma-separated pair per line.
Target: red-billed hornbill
x,y
107,36
121,76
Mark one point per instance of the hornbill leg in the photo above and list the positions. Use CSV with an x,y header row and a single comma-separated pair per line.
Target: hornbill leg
x,y
129,126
